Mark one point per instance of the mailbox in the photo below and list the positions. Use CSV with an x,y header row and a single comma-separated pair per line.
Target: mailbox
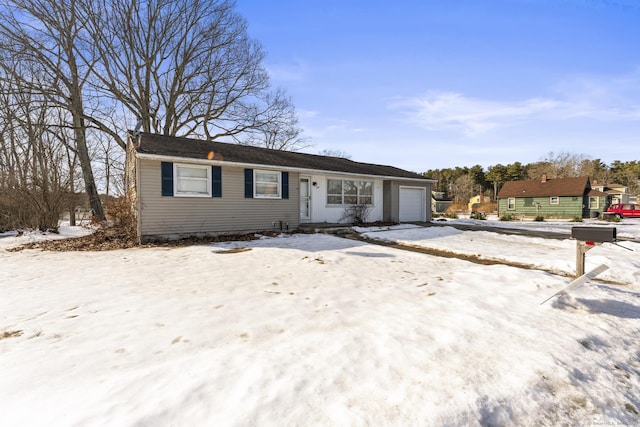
x,y
594,234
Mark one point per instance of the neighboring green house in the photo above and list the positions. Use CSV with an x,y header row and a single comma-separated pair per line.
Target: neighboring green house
x,y
551,198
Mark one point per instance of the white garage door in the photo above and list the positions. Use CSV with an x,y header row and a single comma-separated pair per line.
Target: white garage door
x,y
412,204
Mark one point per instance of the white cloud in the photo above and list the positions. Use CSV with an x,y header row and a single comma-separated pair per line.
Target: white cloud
x,y
613,99
472,116
604,98
295,72
307,114
316,125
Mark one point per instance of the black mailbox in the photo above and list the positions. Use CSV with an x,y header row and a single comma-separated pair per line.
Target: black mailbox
x,y
594,234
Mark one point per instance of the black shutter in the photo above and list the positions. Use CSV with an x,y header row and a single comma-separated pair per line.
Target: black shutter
x,y
248,183
167,178
216,181
285,185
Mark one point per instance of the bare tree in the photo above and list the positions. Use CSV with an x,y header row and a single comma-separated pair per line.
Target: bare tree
x,y
72,165
32,185
278,128
45,35
464,188
597,170
335,153
183,67
560,165
108,159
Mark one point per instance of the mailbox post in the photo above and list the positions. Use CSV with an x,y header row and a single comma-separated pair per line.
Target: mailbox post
x,y
586,238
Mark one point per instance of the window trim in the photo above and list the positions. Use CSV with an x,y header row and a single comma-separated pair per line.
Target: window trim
x,y
554,200
358,196
335,194
176,179
597,204
511,203
257,195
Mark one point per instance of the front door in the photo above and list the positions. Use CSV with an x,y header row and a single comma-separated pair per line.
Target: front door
x,y
305,199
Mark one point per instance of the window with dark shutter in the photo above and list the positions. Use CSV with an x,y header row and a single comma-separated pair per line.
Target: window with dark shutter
x,y
248,183
285,185
216,181
166,169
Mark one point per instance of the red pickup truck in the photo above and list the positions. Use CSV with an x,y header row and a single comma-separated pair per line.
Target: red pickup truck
x,y
624,210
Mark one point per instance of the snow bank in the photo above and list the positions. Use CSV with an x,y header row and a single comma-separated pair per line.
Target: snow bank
x,y
313,330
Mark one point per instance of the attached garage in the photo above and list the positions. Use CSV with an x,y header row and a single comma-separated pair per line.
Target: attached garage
x,y
413,204
243,189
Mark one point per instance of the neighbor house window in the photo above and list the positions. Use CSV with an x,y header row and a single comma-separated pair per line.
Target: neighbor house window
x,y
511,203
594,202
554,200
267,184
347,192
193,180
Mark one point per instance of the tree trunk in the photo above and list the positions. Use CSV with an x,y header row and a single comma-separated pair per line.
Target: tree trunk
x,y
85,165
72,215
80,133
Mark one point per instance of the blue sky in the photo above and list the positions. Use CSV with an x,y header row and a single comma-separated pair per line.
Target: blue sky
x,y
442,83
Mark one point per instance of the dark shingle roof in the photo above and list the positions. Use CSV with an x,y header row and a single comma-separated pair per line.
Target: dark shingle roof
x,y
552,187
595,193
173,146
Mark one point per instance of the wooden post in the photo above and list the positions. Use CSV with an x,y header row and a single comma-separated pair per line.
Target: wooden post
x,y
581,249
579,258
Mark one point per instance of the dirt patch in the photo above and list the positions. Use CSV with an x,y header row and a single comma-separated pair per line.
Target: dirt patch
x,y
103,239
234,251
10,334
112,238
448,254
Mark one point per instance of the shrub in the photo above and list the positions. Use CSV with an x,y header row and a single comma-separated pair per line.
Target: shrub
x,y
356,214
456,207
487,207
611,218
478,215
25,207
507,217
121,213
539,218
444,215
576,219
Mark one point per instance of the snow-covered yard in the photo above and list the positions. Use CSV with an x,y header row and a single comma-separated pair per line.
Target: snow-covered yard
x,y
319,330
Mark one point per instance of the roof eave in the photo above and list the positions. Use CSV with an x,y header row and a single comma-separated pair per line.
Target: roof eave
x,y
147,156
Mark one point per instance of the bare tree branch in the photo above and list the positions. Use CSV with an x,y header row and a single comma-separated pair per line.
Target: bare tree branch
x,y
46,35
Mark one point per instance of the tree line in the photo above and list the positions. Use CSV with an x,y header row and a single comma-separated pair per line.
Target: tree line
x,y
462,183
77,75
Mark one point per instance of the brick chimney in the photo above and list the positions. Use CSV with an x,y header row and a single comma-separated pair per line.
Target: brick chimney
x,y
544,177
